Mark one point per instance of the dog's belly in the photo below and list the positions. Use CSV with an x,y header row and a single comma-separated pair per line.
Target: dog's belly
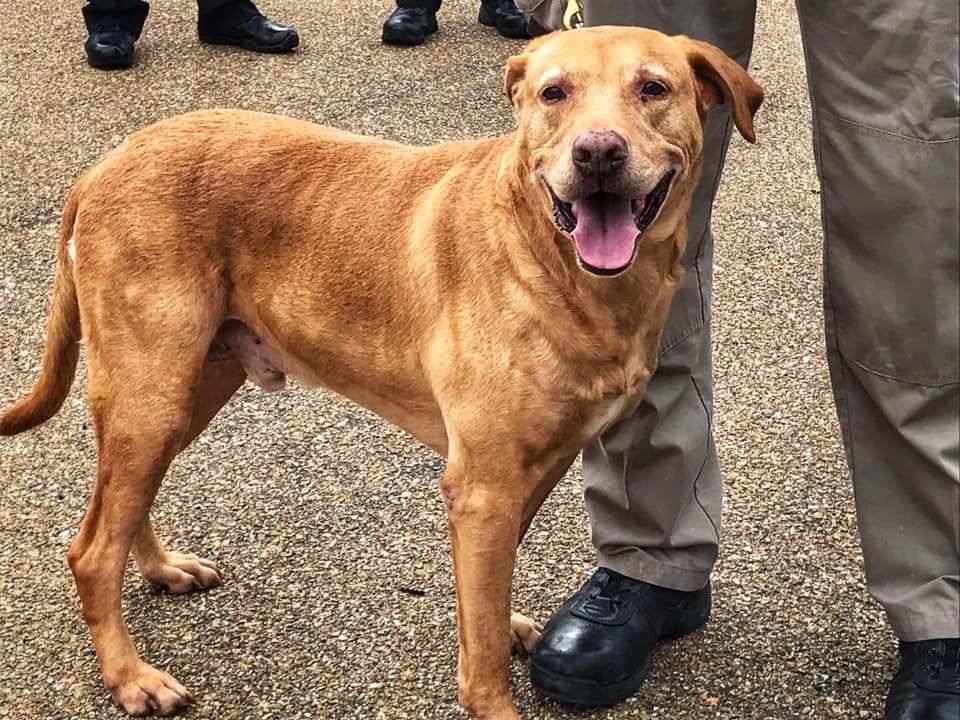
x,y
269,367
264,365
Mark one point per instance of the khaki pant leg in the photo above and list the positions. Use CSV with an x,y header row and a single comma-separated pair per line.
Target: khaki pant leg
x,y
884,87
652,482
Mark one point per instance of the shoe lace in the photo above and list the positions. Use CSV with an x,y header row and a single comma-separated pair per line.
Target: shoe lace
x,y
606,586
945,656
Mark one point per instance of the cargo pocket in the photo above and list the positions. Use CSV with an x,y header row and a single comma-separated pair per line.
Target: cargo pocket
x,y
891,249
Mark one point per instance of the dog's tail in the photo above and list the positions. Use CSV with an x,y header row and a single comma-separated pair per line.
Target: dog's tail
x,y
63,342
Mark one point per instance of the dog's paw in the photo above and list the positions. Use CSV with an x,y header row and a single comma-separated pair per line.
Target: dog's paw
x,y
147,691
178,574
524,634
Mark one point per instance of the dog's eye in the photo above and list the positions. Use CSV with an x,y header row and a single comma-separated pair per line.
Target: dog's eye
x,y
653,89
553,93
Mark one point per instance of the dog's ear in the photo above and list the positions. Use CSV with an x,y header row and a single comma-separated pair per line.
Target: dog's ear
x,y
513,80
517,67
721,80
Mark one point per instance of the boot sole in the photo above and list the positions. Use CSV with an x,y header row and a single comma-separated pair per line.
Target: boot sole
x,y
111,65
286,46
572,691
583,692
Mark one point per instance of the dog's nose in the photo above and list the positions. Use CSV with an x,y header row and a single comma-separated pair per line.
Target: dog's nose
x,y
599,152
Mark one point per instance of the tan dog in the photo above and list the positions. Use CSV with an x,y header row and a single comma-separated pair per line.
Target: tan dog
x,y
502,300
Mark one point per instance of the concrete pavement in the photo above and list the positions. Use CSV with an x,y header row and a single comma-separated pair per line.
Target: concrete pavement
x,y
338,597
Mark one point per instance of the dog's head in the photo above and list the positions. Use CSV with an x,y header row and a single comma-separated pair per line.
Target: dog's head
x,y
612,124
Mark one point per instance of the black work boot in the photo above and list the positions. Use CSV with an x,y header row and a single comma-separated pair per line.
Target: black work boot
x,y
927,686
596,649
109,48
112,33
239,23
411,22
505,16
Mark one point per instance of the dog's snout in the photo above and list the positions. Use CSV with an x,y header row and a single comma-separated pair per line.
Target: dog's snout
x,y
599,152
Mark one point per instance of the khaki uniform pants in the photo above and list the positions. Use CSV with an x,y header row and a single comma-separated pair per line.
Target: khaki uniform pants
x,y
883,78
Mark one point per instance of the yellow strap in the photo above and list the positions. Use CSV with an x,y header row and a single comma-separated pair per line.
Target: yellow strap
x,y
573,15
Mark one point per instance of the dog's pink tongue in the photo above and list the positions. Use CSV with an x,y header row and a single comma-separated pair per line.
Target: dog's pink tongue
x,y
606,232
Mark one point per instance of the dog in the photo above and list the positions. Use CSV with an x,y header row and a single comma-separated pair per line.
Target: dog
x,y
501,299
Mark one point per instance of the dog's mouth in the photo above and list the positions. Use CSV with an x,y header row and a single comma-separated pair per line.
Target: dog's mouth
x,y
606,227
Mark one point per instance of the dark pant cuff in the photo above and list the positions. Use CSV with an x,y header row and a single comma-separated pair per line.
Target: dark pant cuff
x,y
205,7
431,5
127,14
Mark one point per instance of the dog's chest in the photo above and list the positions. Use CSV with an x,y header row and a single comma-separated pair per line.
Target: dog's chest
x,y
607,412
620,393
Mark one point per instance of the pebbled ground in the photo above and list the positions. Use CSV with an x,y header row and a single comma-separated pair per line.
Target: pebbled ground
x,y
338,595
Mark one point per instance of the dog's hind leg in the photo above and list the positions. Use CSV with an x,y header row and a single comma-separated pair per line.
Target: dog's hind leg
x,y
142,397
525,632
177,572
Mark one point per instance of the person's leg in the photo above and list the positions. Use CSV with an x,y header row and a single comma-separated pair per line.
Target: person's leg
x,y
652,482
240,23
884,84
208,6
129,14
112,28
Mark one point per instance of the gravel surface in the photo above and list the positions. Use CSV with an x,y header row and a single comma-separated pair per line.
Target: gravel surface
x,y
338,601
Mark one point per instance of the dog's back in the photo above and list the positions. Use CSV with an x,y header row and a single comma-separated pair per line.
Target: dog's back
x,y
333,250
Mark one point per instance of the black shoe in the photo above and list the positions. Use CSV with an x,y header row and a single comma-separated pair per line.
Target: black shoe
x,y
596,649
927,686
409,26
109,48
505,16
240,23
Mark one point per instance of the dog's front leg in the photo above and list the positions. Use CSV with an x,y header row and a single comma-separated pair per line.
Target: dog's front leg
x,y
484,514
